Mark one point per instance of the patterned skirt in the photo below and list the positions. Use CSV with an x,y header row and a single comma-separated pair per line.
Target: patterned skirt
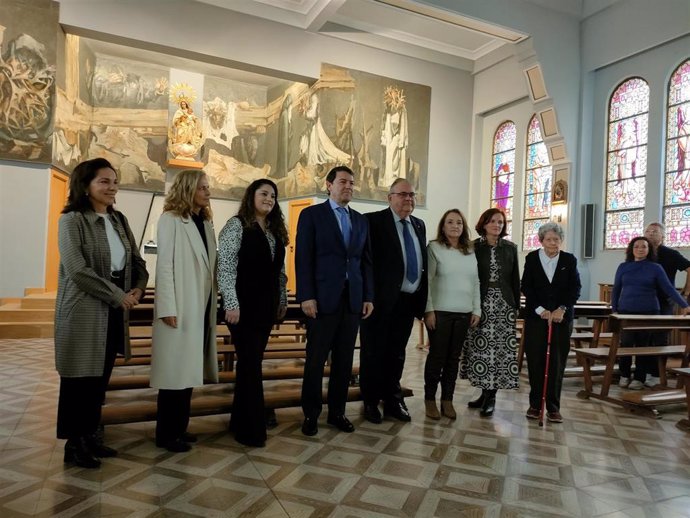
x,y
489,355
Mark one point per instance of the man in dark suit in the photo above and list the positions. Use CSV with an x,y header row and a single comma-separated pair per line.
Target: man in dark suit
x,y
335,290
398,242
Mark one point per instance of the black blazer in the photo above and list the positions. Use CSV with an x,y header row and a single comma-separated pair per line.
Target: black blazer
x,y
258,277
564,290
323,263
506,256
389,264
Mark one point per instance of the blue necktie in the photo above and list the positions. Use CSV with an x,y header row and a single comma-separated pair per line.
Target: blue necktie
x,y
344,224
410,252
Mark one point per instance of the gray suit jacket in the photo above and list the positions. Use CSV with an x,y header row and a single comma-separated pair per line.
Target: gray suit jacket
x,y
85,293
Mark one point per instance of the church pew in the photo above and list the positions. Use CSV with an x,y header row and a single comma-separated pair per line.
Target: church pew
x,y
279,373
211,404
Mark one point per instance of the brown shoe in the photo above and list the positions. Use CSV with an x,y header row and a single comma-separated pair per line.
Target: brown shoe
x,y
448,410
431,409
532,413
554,417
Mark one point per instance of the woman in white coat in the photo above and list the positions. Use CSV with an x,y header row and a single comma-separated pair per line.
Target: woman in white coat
x,y
184,329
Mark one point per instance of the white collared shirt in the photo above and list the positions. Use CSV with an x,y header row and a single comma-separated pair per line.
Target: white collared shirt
x,y
549,265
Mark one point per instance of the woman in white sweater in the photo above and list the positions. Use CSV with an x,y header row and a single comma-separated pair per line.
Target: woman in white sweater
x,y
453,306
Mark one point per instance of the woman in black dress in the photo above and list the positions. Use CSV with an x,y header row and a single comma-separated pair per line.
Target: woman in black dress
x,y
252,280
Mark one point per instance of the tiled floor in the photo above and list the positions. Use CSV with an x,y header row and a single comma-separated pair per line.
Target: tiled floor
x,y
603,461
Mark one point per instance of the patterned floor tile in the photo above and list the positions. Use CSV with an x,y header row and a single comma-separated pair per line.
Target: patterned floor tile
x,y
602,461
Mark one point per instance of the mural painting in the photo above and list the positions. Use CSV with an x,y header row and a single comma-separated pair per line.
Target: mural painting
x,y
28,40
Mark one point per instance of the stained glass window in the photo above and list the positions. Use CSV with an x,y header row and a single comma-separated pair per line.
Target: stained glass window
x,y
626,169
677,172
503,171
537,209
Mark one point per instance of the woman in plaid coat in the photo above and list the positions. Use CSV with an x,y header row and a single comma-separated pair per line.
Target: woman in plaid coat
x,y
101,277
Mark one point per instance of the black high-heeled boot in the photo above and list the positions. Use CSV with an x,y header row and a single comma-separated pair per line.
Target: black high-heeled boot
x,y
77,452
489,404
477,403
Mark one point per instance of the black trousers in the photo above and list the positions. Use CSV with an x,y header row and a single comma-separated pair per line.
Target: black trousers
x,y
445,346
383,340
173,414
643,364
333,333
80,399
247,419
174,405
536,335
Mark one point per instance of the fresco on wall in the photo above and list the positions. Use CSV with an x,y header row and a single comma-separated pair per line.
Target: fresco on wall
x,y
73,105
114,108
27,79
234,128
379,127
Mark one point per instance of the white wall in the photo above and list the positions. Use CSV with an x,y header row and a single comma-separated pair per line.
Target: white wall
x,y
24,196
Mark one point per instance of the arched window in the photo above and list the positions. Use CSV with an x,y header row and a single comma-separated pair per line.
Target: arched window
x,y
677,177
626,163
503,171
537,209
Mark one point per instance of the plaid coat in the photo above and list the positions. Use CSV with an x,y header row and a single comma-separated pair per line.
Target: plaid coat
x,y
85,293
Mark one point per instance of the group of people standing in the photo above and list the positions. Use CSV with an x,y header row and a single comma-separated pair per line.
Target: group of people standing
x,y
373,270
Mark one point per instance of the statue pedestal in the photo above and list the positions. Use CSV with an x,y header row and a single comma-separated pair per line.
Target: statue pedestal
x,y
177,163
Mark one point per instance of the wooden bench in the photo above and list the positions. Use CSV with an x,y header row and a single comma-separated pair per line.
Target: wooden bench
x,y
212,404
589,338
279,373
603,353
650,400
618,323
684,379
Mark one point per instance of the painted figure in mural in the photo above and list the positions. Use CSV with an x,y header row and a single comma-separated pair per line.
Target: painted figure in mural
x,y
185,133
219,121
315,145
26,106
284,138
394,136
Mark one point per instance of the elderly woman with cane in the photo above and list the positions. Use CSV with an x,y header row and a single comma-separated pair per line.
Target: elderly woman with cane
x,y
551,285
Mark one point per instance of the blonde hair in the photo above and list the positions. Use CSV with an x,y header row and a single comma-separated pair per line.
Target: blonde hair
x,y
180,198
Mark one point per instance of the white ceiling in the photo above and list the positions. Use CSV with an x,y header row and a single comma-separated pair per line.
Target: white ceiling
x,y
408,27
401,26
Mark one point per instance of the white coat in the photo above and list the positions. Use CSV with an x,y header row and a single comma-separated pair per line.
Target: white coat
x,y
185,279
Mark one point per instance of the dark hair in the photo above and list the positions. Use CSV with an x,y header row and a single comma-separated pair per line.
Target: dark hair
x,y
464,241
651,255
330,177
275,219
82,176
486,217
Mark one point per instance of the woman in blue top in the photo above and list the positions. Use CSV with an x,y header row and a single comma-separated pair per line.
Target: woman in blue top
x,y
634,292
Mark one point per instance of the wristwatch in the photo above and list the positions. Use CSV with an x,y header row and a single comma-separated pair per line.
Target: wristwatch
x,y
563,308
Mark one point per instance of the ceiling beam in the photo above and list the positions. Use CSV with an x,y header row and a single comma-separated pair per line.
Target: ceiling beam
x,y
321,13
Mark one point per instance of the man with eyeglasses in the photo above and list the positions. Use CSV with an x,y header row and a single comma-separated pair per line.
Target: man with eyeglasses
x,y
398,242
671,261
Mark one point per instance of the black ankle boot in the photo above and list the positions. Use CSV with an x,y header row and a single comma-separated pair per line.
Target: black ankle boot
x,y
489,404
477,403
97,448
77,452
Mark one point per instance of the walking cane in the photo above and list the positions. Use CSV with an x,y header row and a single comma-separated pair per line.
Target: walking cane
x,y
546,376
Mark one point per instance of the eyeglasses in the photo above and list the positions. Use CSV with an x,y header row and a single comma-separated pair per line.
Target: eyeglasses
x,y
412,195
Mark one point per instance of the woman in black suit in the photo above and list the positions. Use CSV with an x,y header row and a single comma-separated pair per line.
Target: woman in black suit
x,y
551,285
251,278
